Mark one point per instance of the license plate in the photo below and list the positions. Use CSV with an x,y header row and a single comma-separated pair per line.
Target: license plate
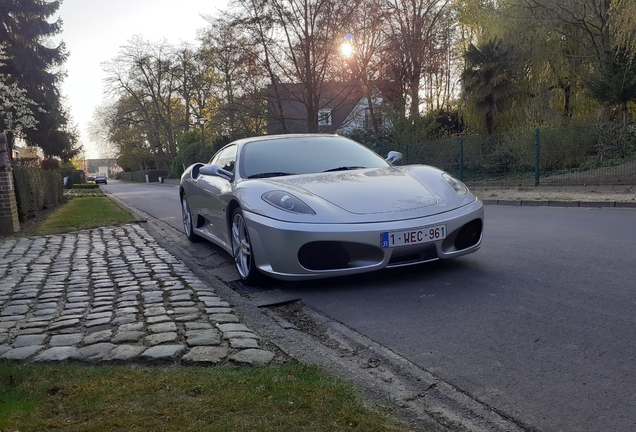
x,y
413,237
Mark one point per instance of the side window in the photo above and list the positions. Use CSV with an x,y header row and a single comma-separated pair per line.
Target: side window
x,y
226,158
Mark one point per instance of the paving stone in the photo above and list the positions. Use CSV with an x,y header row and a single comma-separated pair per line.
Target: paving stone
x,y
153,311
29,340
31,331
45,312
205,355
97,322
22,353
66,340
3,337
4,349
198,325
216,304
158,319
136,326
187,318
233,328
126,319
64,324
223,318
128,336
124,353
240,343
163,353
240,335
15,310
56,354
100,336
99,315
95,352
203,337
186,310
162,327
252,357
161,338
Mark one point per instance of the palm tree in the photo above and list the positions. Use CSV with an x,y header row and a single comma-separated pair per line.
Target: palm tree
x,y
487,78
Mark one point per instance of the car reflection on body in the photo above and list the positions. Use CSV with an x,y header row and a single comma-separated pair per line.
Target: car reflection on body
x,y
101,179
312,206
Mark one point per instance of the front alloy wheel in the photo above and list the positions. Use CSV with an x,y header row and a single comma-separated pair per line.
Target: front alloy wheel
x,y
187,221
242,249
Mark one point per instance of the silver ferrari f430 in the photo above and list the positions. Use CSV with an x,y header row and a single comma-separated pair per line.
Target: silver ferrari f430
x,y
312,206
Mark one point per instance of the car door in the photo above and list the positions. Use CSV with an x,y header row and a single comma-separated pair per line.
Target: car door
x,y
214,193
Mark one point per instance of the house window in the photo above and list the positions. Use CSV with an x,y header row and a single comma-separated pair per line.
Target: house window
x,y
369,122
324,117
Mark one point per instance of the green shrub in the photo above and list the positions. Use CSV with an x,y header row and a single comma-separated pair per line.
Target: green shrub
x,y
51,164
36,189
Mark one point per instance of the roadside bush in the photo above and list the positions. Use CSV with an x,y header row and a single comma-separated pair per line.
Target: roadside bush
x,y
50,164
36,189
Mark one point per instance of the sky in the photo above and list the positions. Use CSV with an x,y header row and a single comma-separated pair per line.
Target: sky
x,y
94,31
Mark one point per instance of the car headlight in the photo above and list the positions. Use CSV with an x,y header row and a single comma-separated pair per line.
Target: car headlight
x,y
286,201
458,186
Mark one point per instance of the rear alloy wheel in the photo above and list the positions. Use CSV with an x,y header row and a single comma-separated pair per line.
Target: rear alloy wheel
x,y
242,250
187,221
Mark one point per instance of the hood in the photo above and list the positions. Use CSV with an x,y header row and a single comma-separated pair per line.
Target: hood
x,y
364,192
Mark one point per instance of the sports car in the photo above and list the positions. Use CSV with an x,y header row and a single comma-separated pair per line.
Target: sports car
x,y
312,206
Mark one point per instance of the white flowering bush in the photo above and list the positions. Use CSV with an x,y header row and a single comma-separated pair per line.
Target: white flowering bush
x,y
15,108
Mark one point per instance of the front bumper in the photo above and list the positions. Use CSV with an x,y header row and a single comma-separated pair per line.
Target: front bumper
x,y
291,251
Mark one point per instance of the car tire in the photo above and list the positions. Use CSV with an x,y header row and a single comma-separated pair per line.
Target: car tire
x,y
242,250
188,226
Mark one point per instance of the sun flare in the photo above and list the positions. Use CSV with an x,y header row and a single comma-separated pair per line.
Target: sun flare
x,y
346,49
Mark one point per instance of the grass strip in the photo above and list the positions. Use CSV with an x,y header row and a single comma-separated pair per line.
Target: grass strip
x,y
291,397
84,213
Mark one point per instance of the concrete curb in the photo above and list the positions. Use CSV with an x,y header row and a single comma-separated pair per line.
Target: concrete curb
x,y
547,203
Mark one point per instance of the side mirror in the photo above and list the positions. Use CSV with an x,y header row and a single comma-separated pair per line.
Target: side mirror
x,y
393,157
215,170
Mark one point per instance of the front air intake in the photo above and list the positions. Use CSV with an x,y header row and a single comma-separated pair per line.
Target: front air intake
x,y
323,256
469,235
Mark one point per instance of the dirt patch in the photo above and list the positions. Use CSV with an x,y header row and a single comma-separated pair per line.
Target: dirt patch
x,y
295,314
30,225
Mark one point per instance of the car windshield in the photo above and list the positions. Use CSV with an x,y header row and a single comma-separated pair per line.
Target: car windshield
x,y
305,155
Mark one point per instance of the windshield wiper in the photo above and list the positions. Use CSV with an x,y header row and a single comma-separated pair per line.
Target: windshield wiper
x,y
270,174
344,168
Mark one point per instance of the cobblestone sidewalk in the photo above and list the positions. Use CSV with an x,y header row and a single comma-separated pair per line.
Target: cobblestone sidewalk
x,y
113,295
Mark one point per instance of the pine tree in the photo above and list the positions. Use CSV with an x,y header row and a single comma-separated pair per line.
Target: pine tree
x,y
33,65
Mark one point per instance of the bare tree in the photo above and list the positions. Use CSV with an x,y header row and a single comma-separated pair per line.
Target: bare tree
x,y
591,17
145,73
258,22
309,33
227,50
415,35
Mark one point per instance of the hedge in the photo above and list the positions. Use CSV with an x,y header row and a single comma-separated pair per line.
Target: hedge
x,y
36,189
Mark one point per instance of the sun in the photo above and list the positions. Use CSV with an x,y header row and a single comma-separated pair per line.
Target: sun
x,y
346,49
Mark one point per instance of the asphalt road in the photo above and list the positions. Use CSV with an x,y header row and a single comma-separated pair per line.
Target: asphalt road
x,y
539,324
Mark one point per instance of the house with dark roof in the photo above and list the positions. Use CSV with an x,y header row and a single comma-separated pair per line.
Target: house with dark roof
x,y
342,108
